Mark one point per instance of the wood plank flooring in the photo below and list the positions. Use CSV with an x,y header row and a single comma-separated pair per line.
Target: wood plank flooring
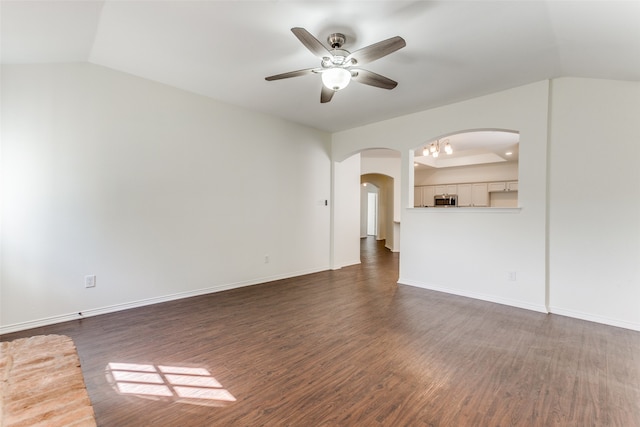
x,y
353,348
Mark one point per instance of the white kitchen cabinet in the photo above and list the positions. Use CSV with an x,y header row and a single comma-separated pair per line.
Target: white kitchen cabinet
x,y
464,195
473,195
479,195
503,186
417,197
447,189
423,196
497,186
428,192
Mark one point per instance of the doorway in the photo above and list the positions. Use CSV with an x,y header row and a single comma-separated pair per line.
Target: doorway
x,y
377,209
372,214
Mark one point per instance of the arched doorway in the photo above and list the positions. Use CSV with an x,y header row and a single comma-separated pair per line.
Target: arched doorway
x,y
377,164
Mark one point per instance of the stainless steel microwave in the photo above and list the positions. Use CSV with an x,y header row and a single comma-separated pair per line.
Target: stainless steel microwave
x,y
445,200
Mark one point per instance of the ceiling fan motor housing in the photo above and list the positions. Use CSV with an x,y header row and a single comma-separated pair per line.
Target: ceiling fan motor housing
x,y
336,40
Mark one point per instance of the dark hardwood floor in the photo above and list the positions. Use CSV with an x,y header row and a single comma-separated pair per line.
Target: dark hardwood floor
x,y
353,348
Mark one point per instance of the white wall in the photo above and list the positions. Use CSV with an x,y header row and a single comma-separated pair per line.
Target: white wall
x,y
364,206
158,192
346,213
507,171
470,252
594,227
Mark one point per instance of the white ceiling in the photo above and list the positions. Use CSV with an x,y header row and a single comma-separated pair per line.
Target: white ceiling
x,y
473,148
455,50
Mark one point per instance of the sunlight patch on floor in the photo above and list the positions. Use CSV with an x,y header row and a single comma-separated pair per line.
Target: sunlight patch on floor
x,y
181,384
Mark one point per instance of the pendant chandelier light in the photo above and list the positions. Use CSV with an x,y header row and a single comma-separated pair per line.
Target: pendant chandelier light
x,y
435,147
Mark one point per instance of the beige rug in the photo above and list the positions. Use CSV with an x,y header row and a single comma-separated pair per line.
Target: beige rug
x,y
41,384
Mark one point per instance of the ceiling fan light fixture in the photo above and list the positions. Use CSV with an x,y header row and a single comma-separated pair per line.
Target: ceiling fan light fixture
x,y
336,78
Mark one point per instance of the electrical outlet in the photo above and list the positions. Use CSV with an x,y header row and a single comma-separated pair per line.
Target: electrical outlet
x,y
511,276
90,281
266,259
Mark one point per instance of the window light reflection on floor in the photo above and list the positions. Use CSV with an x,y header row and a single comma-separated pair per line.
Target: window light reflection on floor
x,y
182,384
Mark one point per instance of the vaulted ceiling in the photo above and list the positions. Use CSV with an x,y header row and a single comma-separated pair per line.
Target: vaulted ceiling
x,y
455,50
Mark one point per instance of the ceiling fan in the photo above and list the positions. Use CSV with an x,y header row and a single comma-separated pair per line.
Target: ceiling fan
x,y
338,66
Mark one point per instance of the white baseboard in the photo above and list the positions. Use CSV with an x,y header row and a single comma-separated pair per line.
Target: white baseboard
x,y
81,314
595,318
475,295
346,264
515,303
